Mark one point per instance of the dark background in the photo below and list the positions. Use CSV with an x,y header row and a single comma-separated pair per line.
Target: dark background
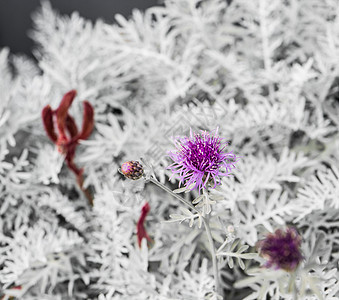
x,y
15,16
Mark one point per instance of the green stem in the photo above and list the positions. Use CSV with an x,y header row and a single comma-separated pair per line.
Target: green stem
x,y
207,228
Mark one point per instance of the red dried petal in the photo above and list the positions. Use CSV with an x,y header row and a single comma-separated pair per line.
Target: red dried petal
x,y
141,231
47,119
62,111
88,121
72,128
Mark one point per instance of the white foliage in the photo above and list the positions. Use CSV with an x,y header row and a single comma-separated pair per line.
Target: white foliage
x,y
264,72
269,211
40,255
48,165
318,193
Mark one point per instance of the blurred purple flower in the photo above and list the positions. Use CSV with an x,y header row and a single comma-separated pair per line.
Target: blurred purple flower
x,y
201,159
281,249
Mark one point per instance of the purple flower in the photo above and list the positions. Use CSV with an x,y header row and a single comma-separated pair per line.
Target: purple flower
x,y
201,159
281,249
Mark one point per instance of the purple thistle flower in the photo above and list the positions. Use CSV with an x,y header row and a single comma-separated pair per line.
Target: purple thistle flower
x,y
200,159
281,249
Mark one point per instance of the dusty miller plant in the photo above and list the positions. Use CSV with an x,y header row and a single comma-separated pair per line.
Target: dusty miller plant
x,y
264,72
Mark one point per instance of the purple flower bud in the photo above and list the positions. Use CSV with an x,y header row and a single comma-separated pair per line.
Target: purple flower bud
x,y
201,159
132,169
281,249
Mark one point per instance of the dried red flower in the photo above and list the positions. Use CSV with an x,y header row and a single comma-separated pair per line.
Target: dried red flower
x,y
67,135
141,231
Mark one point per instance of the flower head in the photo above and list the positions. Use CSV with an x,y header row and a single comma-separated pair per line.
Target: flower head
x,y
200,159
281,249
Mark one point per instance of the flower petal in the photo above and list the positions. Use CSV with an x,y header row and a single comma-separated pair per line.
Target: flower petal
x,y
88,121
47,119
71,126
62,111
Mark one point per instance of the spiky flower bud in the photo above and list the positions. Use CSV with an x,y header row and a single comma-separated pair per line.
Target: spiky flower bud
x,y
132,170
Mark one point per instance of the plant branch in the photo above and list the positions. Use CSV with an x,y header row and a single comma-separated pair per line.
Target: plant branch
x,y
207,228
